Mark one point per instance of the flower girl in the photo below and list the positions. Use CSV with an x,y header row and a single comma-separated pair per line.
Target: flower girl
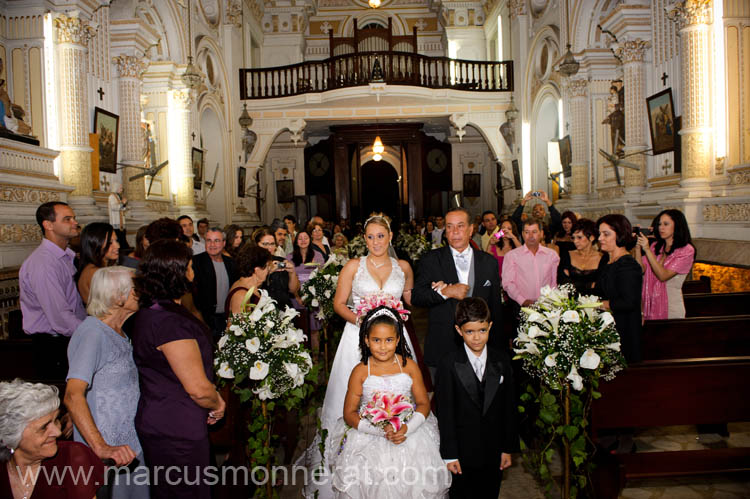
x,y
388,444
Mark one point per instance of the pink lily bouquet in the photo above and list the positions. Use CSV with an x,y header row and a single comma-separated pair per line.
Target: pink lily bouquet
x,y
374,300
388,409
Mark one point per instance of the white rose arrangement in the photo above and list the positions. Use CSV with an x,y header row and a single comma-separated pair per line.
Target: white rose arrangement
x,y
263,351
318,292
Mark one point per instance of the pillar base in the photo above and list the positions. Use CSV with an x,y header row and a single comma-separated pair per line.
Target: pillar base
x,y
695,187
86,209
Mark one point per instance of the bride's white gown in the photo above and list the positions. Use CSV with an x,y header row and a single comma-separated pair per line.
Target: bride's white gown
x,y
347,356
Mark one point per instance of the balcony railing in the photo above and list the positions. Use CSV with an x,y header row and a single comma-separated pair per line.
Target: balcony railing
x,y
398,68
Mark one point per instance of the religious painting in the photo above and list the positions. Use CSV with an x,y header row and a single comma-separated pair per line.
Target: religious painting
x,y
471,185
241,177
516,175
661,121
566,155
197,162
285,191
107,125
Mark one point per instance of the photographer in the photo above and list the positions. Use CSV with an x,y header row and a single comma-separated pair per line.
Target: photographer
x,y
665,263
282,283
538,211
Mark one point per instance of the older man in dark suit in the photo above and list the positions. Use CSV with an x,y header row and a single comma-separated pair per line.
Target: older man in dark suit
x,y
214,275
449,274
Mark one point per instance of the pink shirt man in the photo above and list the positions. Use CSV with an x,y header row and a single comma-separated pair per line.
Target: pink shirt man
x,y
525,273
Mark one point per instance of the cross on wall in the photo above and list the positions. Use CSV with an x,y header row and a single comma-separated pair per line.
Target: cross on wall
x,y
101,93
664,77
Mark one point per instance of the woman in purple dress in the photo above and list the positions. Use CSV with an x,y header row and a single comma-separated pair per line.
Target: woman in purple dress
x,y
174,355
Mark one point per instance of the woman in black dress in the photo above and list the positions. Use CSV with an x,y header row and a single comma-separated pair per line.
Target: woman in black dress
x,y
619,283
580,266
564,238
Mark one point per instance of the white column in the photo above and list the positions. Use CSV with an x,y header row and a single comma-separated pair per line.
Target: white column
x,y
73,35
632,53
579,136
180,167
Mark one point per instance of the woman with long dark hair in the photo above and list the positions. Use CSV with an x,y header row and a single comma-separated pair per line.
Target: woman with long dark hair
x,y
564,238
510,240
303,256
282,282
233,235
666,263
99,248
174,355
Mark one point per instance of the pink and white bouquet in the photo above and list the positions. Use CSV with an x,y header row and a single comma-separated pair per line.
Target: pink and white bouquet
x,y
388,409
375,300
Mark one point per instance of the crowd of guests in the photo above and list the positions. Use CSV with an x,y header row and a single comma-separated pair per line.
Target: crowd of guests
x,y
133,331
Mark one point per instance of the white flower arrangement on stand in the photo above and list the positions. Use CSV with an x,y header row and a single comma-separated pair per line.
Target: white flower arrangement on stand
x,y
357,247
568,344
414,245
317,293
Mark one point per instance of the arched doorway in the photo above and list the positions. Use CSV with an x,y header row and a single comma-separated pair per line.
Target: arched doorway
x,y
380,190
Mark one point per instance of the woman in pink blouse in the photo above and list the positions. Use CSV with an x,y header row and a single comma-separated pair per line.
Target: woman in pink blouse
x,y
665,263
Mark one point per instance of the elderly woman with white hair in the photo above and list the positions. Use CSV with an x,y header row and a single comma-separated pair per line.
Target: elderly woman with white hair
x,y
35,462
102,391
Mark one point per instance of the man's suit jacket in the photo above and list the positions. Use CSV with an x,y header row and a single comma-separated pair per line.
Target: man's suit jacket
x,y
476,430
204,282
484,282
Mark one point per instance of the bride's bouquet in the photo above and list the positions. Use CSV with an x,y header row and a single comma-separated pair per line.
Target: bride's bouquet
x,y
388,409
319,290
262,345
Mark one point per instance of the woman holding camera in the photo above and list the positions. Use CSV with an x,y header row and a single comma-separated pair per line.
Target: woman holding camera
x,y
282,282
665,263
504,240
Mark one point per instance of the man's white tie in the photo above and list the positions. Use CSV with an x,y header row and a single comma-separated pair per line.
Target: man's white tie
x,y
478,368
462,262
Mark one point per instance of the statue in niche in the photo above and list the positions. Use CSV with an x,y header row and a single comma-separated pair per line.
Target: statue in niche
x,y
11,115
616,117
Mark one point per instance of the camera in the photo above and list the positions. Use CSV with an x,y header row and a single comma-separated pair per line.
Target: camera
x,y
280,265
499,234
536,194
646,231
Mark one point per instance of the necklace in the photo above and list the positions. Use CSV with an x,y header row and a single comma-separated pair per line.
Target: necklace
x,y
26,489
376,265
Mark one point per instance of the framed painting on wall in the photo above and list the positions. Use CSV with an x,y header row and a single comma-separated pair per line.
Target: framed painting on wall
x,y
661,121
471,185
285,191
107,125
566,155
197,161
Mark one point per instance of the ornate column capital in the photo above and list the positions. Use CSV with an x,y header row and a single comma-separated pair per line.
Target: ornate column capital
x,y
578,87
517,8
632,50
129,66
690,12
73,30
182,97
233,13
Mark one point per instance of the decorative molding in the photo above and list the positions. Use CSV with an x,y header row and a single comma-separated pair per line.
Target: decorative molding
x,y
740,178
20,233
578,87
182,97
611,192
690,13
517,8
233,13
730,212
632,50
129,66
158,206
27,194
73,30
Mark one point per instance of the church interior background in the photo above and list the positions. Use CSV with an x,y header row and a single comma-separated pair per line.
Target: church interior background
x,y
260,109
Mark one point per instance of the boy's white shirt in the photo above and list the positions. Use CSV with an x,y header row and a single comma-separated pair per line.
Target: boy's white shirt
x,y
483,361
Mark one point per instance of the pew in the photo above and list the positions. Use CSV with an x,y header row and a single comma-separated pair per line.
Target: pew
x,y
671,392
713,304
700,285
697,337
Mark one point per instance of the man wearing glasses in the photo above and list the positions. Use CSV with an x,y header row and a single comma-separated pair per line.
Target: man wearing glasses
x,y
214,274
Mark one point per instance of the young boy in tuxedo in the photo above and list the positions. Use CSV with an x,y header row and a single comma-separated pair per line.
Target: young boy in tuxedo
x,y
476,407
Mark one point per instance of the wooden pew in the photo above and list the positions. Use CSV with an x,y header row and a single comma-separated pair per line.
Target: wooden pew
x,y
713,304
671,392
726,336
700,285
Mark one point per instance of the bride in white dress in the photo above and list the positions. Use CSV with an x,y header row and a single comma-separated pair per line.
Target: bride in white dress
x,y
375,273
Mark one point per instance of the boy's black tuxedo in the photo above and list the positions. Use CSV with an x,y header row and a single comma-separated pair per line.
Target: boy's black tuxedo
x,y
484,282
478,420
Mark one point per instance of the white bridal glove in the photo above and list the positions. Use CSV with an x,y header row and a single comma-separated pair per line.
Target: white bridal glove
x,y
367,427
415,422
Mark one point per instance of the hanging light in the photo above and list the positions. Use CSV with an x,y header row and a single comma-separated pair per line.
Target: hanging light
x,y
374,3
191,77
569,66
378,148
245,120
512,112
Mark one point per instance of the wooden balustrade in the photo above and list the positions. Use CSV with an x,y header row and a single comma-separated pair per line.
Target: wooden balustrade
x,y
355,69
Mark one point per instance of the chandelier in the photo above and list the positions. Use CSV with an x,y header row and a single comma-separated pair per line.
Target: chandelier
x,y
191,78
377,149
374,3
569,65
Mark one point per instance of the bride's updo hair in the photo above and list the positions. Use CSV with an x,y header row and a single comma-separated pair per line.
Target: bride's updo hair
x,y
378,219
383,315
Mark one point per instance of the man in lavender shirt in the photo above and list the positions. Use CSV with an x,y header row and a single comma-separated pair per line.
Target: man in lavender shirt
x,y
51,306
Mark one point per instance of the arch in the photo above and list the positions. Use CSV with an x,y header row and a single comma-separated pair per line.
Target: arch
x,y
584,20
166,19
391,155
545,108
213,132
551,33
208,46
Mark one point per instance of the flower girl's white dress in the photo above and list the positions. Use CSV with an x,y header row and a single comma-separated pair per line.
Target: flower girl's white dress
x,y
370,466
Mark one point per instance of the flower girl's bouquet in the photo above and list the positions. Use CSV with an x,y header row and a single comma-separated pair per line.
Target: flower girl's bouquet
x,y
388,409
375,300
